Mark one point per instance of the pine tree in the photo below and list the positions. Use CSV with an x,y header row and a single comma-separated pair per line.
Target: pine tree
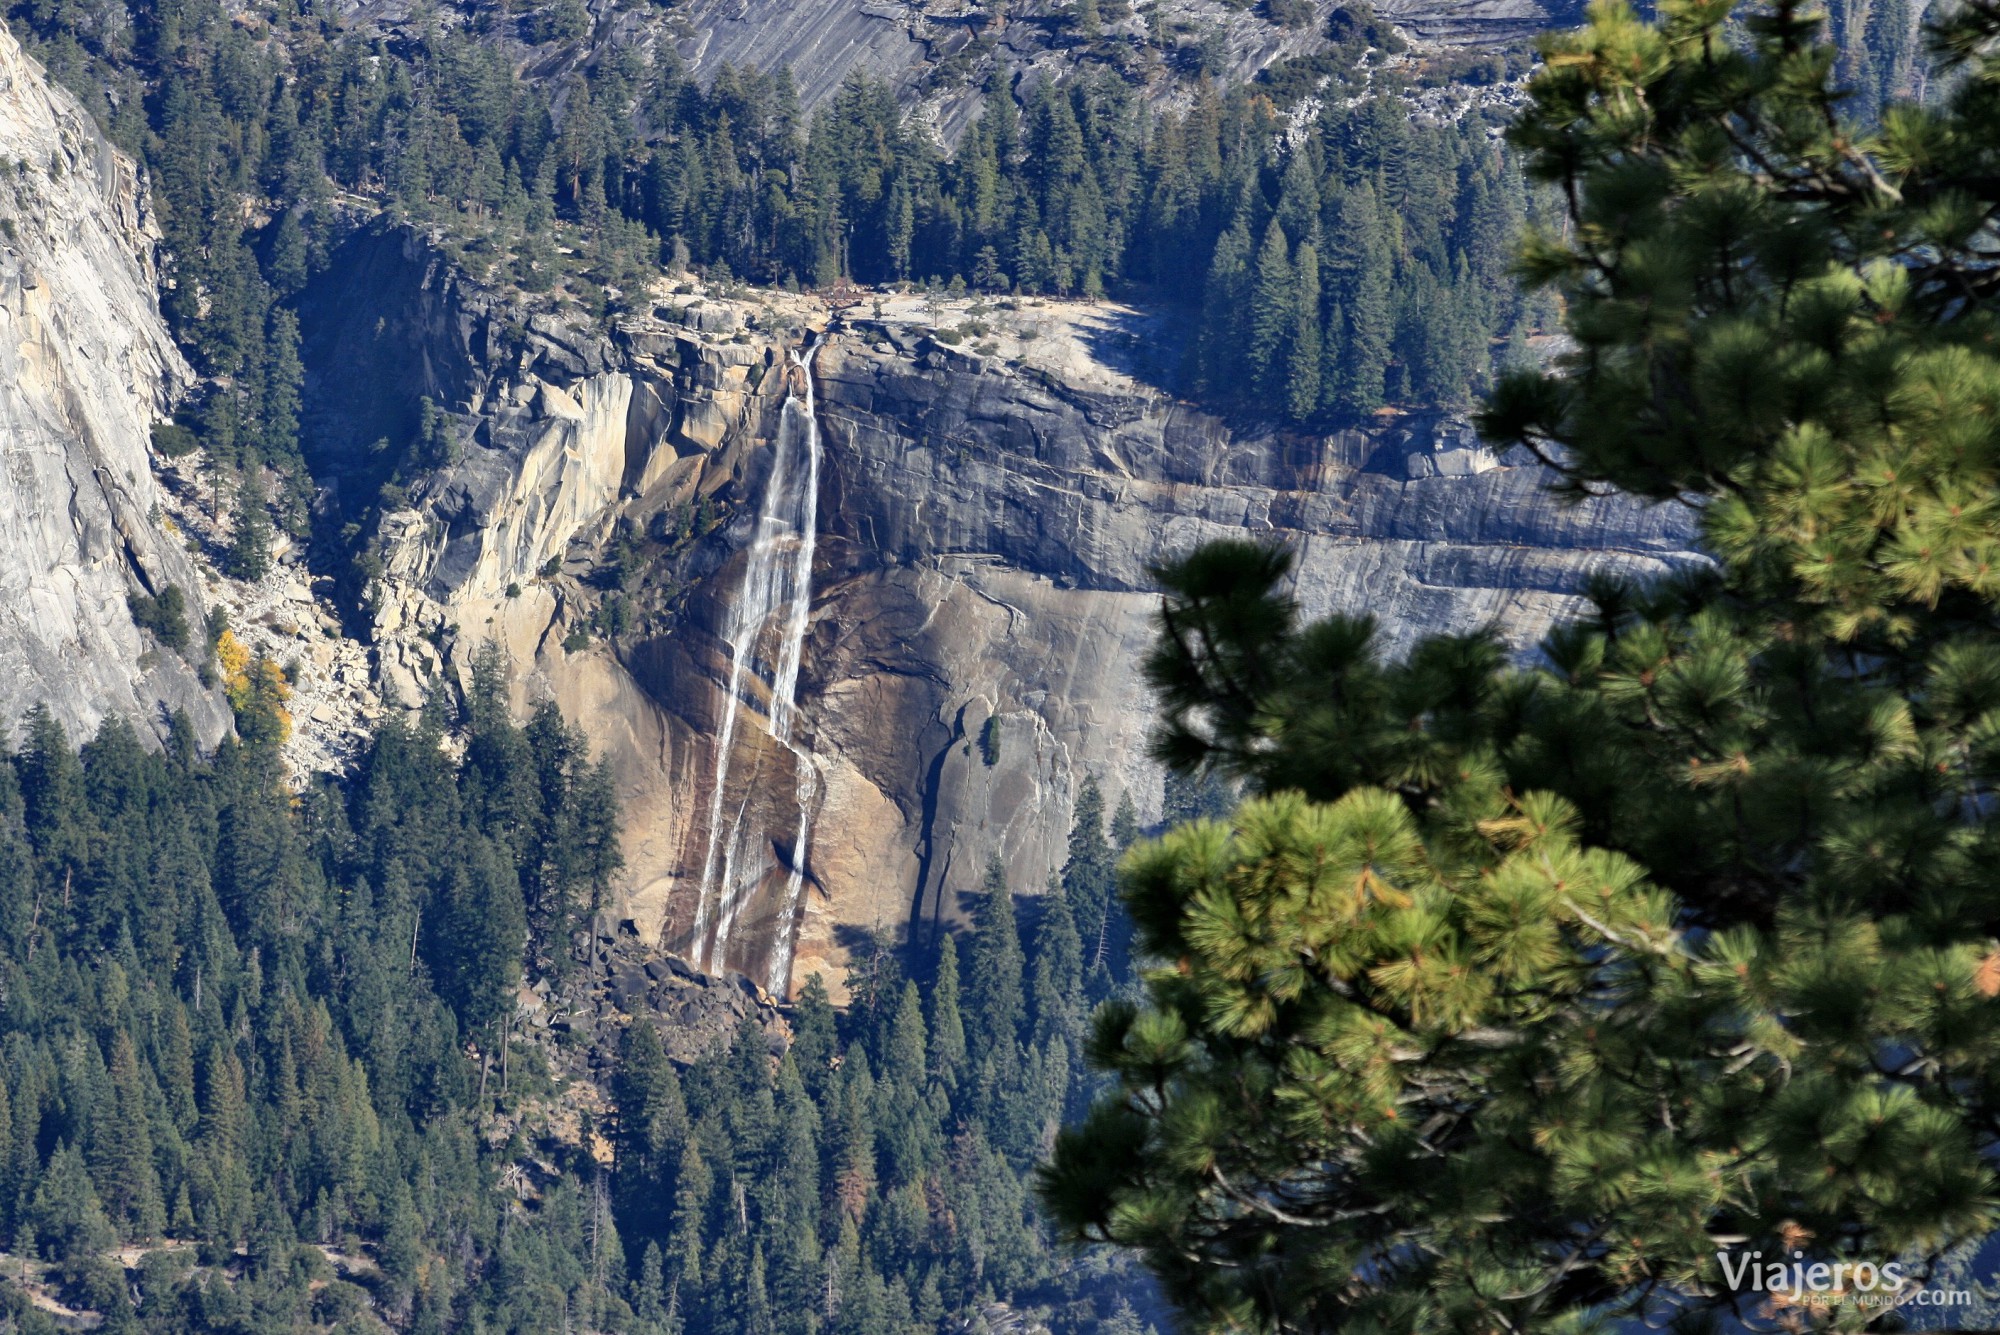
x,y
123,1171
1125,1321
1302,349
51,788
652,1123
792,1207
1218,348
289,256
1087,880
1124,824
1360,272
176,1067
284,377
649,1298
904,1060
757,1315
222,1108
19,902
994,972
1462,1029
1274,305
480,933
692,1185
64,1216
947,1027
902,227
249,555
1057,990
854,1165
815,1040
1299,199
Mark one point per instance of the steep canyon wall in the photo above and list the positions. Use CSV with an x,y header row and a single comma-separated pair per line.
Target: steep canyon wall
x,y
86,369
986,520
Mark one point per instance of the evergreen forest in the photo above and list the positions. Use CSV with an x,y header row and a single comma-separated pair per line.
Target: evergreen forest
x,y
1351,255
259,1070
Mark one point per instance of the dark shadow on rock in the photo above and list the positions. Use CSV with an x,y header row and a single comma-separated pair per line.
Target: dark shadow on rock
x,y
1147,345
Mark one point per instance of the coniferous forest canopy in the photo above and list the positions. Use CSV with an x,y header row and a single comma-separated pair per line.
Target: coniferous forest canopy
x,y
1361,262
258,1038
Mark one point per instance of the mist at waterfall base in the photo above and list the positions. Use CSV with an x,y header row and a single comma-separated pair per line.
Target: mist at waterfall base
x,y
765,629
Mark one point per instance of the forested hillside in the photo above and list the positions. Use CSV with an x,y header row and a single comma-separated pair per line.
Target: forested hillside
x,y
256,1041
1352,254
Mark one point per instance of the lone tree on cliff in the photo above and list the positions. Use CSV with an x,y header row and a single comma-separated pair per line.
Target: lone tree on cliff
x,y
1513,997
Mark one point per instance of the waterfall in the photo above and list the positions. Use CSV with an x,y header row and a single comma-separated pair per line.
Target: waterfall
x,y
765,629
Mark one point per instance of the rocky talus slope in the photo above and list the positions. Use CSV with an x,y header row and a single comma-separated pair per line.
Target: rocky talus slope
x,y
86,368
990,502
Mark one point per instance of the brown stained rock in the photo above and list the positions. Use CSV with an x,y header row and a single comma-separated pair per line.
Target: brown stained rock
x,y
985,537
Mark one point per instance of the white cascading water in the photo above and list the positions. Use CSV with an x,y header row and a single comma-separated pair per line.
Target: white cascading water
x,y
777,587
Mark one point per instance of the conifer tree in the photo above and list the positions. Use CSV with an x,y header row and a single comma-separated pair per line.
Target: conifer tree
x,y
904,1061
793,1213
65,1220
649,1299
1124,824
1218,354
947,1025
1361,274
1088,880
692,1184
1299,198
1274,305
652,1123
124,1173
1057,989
1303,355
481,928
815,1042
993,978
1455,1026
176,1066
249,554
282,382
854,1168
51,788
222,1109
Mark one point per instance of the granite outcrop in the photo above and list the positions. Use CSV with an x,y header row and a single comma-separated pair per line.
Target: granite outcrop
x,y
86,369
998,478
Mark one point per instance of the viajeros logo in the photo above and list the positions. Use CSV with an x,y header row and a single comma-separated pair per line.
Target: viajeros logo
x,y
1793,1279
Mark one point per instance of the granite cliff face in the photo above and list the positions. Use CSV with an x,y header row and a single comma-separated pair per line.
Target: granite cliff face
x,y
995,481
940,55
86,368
986,520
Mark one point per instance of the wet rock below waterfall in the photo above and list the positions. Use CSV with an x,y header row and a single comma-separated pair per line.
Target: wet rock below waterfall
x,y
630,982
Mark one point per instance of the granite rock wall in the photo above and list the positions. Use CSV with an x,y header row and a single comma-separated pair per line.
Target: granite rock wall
x,y
987,520
86,369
